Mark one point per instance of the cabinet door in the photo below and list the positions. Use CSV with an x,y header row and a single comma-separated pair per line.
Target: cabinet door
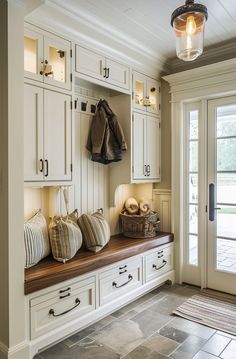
x,y
153,148
139,91
90,63
57,136
33,129
33,54
153,94
138,150
117,74
57,62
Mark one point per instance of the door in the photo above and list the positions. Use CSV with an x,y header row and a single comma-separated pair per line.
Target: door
x,y
139,90
90,63
57,136
222,194
33,55
138,150
153,94
117,74
57,62
33,130
153,148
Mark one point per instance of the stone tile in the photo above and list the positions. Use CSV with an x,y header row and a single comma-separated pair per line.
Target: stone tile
x,y
90,350
149,321
122,336
168,304
192,328
102,323
226,334
203,355
160,344
188,348
128,315
230,351
172,333
216,344
142,352
149,303
74,339
182,290
137,302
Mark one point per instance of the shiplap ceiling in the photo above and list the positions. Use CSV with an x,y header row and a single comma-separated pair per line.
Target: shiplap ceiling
x,y
138,30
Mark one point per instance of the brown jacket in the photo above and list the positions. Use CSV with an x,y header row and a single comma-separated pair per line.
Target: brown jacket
x,y
106,140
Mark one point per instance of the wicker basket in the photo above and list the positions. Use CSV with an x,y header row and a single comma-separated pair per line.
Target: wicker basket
x,y
136,226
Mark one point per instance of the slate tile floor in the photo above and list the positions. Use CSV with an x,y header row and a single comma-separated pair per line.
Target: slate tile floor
x,y
145,329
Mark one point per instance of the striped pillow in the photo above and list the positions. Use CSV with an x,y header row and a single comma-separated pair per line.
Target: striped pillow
x,y
65,237
36,239
95,230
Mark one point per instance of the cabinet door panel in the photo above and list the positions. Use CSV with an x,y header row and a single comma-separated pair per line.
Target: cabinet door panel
x,y
57,62
90,63
153,147
57,138
33,54
118,74
153,94
33,129
139,134
139,90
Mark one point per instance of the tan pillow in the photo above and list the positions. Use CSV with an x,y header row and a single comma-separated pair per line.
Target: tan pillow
x,y
95,230
36,239
65,237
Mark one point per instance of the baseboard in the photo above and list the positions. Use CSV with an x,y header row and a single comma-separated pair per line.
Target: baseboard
x,y
19,351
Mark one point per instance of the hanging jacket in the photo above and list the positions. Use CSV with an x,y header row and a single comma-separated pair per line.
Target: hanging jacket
x,y
106,140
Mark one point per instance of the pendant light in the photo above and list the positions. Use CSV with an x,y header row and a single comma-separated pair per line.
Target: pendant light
x,y
188,22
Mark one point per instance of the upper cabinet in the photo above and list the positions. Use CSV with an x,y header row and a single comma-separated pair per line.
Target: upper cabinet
x,y
99,67
146,93
47,58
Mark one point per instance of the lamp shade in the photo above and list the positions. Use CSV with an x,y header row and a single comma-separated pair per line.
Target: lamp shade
x,y
188,22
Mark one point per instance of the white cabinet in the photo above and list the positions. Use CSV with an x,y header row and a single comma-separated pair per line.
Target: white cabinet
x,y
99,67
146,93
47,145
158,263
47,58
146,148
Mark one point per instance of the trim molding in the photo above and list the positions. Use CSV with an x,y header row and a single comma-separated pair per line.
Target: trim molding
x,y
19,351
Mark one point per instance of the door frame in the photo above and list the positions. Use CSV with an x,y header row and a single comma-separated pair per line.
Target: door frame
x,y
199,84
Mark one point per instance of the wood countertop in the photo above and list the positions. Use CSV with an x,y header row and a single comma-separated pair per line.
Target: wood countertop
x,y
49,272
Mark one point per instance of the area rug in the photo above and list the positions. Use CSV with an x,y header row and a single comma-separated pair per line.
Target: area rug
x,y
216,310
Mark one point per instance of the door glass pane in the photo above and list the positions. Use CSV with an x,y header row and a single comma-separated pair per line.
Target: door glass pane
x,y
193,125
193,249
30,54
139,92
226,222
226,154
226,188
56,64
152,95
226,255
193,188
193,219
193,156
226,121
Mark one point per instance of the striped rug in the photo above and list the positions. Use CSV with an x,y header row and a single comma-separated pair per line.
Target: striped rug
x,y
216,310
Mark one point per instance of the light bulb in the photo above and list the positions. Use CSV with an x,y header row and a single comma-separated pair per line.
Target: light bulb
x,y
191,26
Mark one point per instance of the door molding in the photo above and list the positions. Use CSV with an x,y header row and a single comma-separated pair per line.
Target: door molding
x,y
200,84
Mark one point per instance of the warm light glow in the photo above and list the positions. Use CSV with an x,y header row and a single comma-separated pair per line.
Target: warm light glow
x,y
191,26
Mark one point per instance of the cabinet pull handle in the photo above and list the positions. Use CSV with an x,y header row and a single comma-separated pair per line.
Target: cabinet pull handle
x,y
145,170
160,256
114,284
124,271
46,174
123,267
160,252
52,311
148,170
105,72
64,290
64,296
108,73
42,165
163,265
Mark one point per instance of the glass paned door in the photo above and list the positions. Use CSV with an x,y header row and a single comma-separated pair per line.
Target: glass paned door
x,y
222,194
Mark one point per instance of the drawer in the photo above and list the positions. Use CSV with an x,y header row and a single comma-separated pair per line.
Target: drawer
x,y
122,268
119,281
50,311
158,263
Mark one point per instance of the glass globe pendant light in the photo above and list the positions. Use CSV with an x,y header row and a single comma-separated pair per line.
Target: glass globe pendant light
x,y
188,22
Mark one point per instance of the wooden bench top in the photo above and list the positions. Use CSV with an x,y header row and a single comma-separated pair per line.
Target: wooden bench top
x,y
49,272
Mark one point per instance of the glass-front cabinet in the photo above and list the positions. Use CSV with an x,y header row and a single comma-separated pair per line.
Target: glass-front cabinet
x,y
47,58
146,93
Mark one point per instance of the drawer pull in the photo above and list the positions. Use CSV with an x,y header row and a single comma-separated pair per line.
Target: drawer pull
x,y
123,267
124,271
64,296
64,290
163,265
160,256
160,252
52,312
130,277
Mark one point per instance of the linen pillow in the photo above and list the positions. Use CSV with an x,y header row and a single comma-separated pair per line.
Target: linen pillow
x,y
36,239
95,230
65,237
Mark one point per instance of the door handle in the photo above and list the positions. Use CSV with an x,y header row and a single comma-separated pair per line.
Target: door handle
x,y
108,73
46,174
105,72
212,207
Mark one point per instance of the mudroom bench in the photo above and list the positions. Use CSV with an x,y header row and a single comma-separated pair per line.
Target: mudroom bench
x,y
64,298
